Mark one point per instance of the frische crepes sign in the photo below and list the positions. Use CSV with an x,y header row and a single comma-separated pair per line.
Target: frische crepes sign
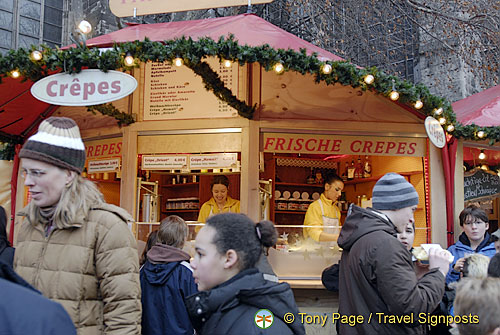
x,y
86,88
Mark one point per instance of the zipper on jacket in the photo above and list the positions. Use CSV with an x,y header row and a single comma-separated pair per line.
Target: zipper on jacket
x,y
42,253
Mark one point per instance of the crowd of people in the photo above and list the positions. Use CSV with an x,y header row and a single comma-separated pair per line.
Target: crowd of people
x,y
75,268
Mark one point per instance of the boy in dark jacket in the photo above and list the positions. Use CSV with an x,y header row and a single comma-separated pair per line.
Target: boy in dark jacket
x,y
166,279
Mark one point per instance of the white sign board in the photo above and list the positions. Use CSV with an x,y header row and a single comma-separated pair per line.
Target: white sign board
x,y
228,160
89,87
164,162
435,132
103,165
175,92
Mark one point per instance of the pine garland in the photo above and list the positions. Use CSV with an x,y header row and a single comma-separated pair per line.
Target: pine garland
x,y
193,53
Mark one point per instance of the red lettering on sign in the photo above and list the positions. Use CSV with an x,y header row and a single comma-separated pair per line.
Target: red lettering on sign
x,y
390,145
269,142
336,145
355,143
98,150
280,143
299,144
90,150
401,148
111,148
115,86
323,146
307,144
102,87
51,93
104,148
379,147
411,150
368,147
119,148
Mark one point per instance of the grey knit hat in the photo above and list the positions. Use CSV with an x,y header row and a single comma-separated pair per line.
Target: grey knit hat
x,y
392,192
57,142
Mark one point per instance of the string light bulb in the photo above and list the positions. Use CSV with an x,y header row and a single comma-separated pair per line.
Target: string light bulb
x,y
326,69
482,155
15,74
227,63
36,55
442,120
394,95
480,134
85,27
178,61
419,104
438,111
450,128
369,79
129,59
279,68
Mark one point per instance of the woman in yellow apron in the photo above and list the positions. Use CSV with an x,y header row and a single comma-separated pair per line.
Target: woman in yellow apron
x,y
220,202
324,213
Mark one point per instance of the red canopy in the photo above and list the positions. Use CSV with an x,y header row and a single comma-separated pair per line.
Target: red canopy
x,y
482,109
247,29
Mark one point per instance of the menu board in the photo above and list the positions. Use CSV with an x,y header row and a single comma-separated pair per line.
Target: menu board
x,y
176,92
164,162
227,160
103,165
480,184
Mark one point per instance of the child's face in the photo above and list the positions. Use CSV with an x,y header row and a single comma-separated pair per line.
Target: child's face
x,y
208,264
407,236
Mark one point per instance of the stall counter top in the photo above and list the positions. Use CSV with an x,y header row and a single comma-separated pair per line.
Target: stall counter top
x,y
304,283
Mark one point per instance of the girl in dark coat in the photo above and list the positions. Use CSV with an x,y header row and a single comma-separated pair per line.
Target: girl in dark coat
x,y
6,250
235,298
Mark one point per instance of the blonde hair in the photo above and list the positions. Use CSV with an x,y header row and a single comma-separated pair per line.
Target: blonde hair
x,y
479,298
173,231
476,266
80,195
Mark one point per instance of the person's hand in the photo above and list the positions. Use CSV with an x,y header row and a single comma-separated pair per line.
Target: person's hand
x,y
439,258
421,269
459,265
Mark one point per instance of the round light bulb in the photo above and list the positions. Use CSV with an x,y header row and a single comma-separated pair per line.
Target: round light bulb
x,y
278,68
327,68
419,104
369,79
394,95
178,61
480,134
36,55
85,27
129,60
438,111
442,120
450,128
15,74
482,155
227,63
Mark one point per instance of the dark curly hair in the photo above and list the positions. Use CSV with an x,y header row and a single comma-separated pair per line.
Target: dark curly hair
x,y
238,232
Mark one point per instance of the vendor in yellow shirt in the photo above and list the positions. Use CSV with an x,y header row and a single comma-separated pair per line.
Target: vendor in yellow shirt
x,y
324,212
220,202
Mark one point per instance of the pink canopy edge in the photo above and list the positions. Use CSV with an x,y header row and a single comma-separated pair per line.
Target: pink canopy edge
x,y
248,29
482,109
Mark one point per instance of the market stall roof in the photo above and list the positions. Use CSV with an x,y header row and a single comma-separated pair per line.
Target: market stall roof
x,y
482,109
247,29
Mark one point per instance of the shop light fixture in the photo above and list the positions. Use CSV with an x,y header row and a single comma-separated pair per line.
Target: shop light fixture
x,y
419,104
85,27
279,68
326,68
485,167
369,79
394,95
438,111
480,134
442,120
227,63
178,61
450,128
36,55
482,155
15,74
129,59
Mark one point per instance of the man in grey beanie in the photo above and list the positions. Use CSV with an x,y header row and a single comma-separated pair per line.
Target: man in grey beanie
x,y
378,284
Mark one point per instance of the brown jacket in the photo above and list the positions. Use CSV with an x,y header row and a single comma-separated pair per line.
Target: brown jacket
x,y
91,267
377,276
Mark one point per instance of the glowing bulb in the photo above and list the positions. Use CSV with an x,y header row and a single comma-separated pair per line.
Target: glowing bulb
x,y
227,63
129,60
394,95
278,68
369,79
85,27
178,61
36,55
438,111
480,134
326,68
482,155
442,120
15,74
485,167
419,104
450,128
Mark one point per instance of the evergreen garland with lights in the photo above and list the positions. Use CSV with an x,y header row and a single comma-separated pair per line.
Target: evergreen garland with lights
x,y
73,60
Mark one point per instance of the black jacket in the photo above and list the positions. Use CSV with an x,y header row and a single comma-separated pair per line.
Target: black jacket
x,y
377,276
231,307
6,250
